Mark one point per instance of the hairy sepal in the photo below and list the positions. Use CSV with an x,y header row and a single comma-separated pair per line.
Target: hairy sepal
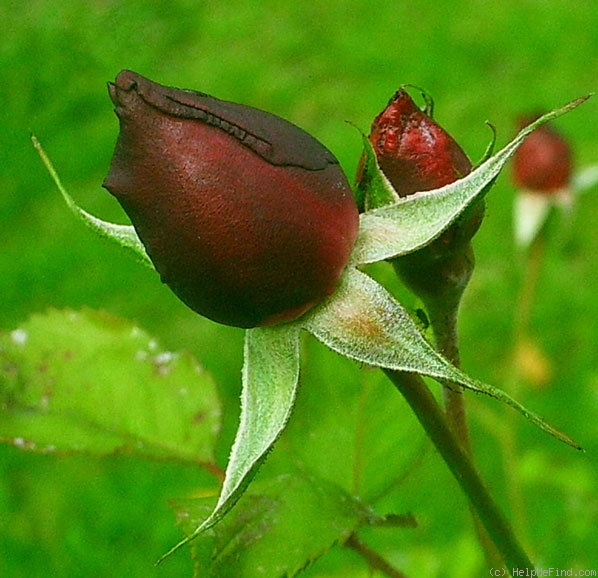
x,y
270,379
124,236
412,222
363,322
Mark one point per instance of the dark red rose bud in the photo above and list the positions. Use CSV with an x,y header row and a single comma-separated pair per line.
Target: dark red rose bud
x,y
413,151
247,218
416,154
543,163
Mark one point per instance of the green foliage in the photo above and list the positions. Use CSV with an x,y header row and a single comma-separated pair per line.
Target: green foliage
x,y
265,533
88,382
325,62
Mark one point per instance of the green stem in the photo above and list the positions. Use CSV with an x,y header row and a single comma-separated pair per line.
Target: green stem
x,y
440,279
523,308
443,318
434,422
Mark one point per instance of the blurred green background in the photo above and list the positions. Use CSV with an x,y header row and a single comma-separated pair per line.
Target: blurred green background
x,y
318,64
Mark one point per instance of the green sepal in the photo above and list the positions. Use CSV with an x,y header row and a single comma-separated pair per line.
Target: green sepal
x,y
124,236
363,322
374,189
490,147
414,221
585,179
270,379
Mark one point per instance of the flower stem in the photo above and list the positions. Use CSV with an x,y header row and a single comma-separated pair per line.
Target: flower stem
x,y
443,319
522,340
440,284
434,422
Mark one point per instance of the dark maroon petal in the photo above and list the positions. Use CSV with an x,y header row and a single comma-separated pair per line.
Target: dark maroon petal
x,y
246,217
417,154
276,140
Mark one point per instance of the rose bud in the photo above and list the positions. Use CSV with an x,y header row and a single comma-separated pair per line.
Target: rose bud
x,y
247,218
417,154
413,151
542,171
543,163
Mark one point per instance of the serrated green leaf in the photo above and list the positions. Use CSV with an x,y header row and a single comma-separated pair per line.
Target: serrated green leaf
x,y
306,514
270,378
414,221
88,382
124,236
362,321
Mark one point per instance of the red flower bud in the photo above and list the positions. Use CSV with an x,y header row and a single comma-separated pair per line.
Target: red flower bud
x,y
413,151
247,218
543,163
416,154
